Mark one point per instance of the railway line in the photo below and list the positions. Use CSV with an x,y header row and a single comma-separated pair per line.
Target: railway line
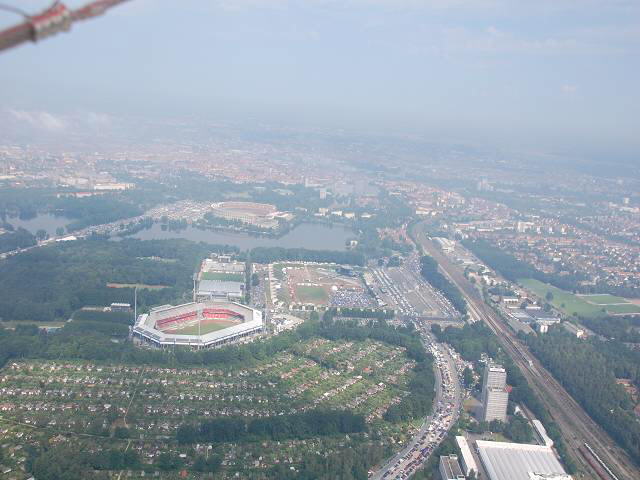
x,y
575,424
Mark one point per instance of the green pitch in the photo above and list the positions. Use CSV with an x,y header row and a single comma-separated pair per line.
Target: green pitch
x,y
309,294
204,328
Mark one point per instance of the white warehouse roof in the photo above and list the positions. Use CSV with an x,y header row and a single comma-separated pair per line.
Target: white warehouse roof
x,y
517,461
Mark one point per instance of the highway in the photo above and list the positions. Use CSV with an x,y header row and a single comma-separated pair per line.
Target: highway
x,y
449,393
575,424
446,408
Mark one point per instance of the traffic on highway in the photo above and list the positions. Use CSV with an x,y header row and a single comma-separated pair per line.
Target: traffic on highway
x,y
447,403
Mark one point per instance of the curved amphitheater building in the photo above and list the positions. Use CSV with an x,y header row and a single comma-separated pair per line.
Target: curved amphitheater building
x,y
198,325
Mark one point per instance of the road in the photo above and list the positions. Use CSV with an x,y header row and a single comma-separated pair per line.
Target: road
x,y
446,408
575,424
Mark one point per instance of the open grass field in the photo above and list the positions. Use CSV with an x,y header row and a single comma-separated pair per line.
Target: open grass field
x,y
313,283
566,302
207,326
623,308
603,299
224,277
311,294
15,323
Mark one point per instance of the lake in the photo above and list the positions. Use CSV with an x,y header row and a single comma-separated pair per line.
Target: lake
x,y
307,235
45,221
312,236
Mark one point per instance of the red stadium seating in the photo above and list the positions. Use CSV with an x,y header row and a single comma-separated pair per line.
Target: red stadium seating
x,y
178,319
207,313
220,314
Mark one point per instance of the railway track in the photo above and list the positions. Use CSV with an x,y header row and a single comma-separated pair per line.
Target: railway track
x,y
575,424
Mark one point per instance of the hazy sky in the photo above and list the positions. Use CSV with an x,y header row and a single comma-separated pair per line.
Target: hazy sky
x,y
540,72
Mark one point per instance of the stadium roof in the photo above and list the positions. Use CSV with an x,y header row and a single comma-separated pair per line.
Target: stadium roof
x,y
516,461
211,265
145,325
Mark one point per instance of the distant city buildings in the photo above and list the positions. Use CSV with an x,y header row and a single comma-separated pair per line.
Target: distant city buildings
x,y
494,394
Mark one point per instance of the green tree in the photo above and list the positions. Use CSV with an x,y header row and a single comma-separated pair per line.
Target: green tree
x,y
467,377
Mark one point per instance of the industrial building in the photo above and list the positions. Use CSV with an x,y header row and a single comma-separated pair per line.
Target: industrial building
x,y
450,468
220,278
218,289
494,394
518,461
468,463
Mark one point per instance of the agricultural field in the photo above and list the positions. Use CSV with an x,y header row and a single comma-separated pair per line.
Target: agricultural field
x,y
91,407
321,285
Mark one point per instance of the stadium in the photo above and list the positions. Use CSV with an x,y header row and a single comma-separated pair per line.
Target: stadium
x,y
198,325
259,214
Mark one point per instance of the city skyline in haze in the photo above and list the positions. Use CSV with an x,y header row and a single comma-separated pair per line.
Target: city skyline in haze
x,y
551,75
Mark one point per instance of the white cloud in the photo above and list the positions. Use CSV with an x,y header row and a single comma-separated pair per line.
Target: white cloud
x,y
40,120
98,119
568,88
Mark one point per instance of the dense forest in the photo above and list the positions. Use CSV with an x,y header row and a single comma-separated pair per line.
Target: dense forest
x,y
14,240
588,371
279,254
51,282
622,329
430,272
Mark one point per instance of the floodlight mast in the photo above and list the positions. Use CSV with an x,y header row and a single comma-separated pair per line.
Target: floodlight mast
x,y
57,18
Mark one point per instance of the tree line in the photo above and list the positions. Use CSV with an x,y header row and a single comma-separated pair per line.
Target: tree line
x,y
361,313
588,371
299,425
430,272
280,254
